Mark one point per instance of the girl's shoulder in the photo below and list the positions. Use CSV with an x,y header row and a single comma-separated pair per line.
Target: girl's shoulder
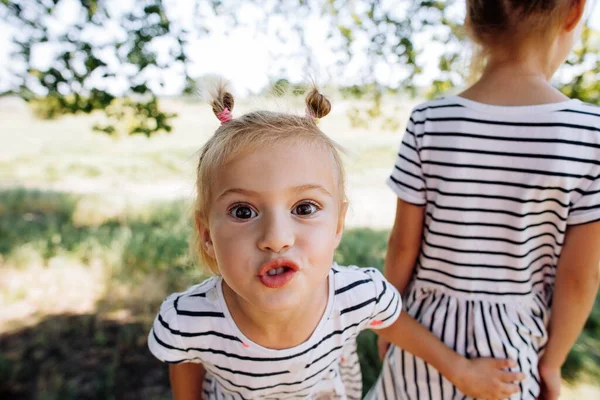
x,y
352,283
364,297
438,102
200,300
589,111
191,319
570,109
353,275
570,114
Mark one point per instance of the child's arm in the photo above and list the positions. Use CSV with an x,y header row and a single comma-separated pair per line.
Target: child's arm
x,y
186,381
403,248
404,244
478,378
576,285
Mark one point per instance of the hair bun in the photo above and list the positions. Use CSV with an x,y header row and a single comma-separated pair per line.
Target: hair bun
x,y
317,105
222,100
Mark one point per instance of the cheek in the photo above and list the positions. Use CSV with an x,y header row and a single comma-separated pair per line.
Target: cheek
x,y
320,241
229,241
232,254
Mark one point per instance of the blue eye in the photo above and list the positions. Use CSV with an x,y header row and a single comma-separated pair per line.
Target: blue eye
x,y
242,212
305,209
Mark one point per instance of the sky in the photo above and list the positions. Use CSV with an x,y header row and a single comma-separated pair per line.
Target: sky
x,y
244,55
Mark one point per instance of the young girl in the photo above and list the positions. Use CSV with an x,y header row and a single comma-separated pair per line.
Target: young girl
x,y
278,320
497,231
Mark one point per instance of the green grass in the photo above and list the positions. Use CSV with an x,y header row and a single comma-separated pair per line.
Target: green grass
x,y
91,357
36,226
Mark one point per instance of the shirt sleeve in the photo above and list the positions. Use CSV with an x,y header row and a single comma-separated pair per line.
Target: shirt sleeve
x,y
388,303
406,179
164,340
586,208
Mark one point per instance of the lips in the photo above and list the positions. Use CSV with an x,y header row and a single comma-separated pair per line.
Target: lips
x,y
277,273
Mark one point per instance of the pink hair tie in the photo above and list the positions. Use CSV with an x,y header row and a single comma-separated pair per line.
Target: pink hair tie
x,y
314,119
224,116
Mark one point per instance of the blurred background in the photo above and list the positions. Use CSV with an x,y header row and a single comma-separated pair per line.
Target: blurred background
x,y
101,118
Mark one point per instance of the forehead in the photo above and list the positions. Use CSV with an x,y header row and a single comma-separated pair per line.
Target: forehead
x,y
278,167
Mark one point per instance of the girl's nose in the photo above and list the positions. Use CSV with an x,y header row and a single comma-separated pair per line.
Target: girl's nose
x,y
277,233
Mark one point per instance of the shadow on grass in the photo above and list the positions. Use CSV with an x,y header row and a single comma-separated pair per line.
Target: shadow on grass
x,y
80,357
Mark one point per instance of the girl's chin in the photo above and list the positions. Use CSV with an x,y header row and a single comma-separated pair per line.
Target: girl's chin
x,y
280,302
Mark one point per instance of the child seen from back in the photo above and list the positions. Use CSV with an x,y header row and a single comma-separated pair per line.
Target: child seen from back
x,y
495,245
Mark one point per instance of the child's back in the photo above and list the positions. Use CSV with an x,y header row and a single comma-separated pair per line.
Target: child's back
x,y
500,185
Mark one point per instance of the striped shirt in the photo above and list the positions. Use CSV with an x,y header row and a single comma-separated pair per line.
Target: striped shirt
x,y
196,326
500,186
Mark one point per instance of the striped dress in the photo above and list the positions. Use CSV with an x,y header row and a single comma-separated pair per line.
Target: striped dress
x,y
500,186
196,326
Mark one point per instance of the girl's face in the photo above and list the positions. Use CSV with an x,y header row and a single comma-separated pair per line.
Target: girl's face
x,y
274,222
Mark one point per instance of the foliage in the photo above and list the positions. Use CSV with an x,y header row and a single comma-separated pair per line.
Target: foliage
x,y
87,73
36,225
586,62
283,86
85,70
362,247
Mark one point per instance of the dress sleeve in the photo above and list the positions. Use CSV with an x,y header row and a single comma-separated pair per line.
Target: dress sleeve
x,y
586,208
164,340
407,180
387,305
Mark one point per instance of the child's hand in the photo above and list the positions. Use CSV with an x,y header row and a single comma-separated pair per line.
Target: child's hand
x,y
551,380
487,378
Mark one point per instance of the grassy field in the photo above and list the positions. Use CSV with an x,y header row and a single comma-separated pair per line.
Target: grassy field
x,y
94,233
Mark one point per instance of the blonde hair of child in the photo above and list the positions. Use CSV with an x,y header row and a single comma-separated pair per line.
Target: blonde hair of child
x,y
493,23
254,130
506,24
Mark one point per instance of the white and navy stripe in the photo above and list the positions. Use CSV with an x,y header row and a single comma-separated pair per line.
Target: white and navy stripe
x,y
195,326
474,328
500,186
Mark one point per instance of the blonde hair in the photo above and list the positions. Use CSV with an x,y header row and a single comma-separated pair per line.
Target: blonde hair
x,y
492,23
250,131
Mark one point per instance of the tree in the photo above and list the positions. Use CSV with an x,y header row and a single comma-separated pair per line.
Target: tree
x,y
585,64
122,74
85,65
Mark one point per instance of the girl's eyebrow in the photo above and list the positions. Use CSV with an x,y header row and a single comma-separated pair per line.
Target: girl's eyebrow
x,y
297,189
311,186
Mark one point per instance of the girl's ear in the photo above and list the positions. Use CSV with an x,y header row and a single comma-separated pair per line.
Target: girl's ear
x,y
576,12
204,236
340,225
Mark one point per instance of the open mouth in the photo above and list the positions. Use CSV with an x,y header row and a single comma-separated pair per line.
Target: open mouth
x,y
277,273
